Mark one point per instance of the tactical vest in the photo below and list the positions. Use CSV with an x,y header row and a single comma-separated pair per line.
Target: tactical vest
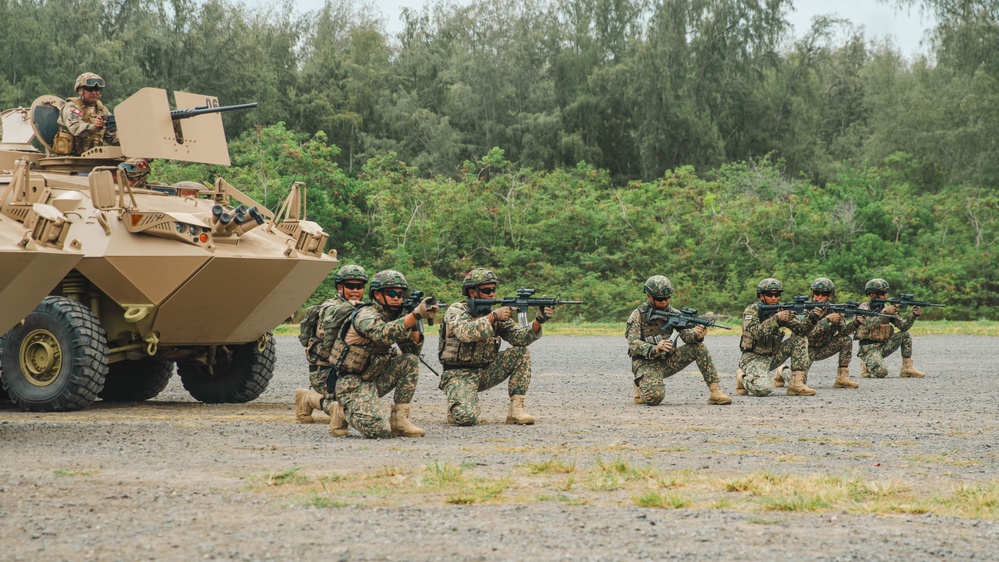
x,y
879,334
767,344
651,331
456,354
355,357
96,138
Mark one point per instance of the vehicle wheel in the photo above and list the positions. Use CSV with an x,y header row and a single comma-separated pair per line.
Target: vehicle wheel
x,y
240,373
57,359
135,381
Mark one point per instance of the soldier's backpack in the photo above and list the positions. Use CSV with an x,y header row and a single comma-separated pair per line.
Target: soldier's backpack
x,y
309,326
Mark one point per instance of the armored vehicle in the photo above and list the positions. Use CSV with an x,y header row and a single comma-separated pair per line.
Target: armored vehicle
x,y
110,285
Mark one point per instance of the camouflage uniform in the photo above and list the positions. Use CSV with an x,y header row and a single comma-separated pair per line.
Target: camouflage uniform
x,y
373,331
827,339
334,312
649,366
763,350
879,340
469,351
77,119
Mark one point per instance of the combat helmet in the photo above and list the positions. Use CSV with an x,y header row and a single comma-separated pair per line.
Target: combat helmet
x,y
824,284
387,279
876,285
135,169
769,284
90,80
659,286
476,277
350,272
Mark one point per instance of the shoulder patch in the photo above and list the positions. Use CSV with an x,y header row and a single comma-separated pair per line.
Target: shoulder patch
x,y
749,317
75,110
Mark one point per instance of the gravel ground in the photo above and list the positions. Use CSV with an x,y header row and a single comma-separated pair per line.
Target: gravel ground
x,y
173,479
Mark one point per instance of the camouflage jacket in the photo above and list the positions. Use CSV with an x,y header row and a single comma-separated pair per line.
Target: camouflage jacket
x,y
470,341
879,328
643,334
368,341
763,336
77,119
824,331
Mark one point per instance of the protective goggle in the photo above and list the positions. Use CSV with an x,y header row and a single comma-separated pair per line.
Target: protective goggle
x,y
130,168
353,285
771,294
395,293
93,83
822,293
660,298
879,294
486,290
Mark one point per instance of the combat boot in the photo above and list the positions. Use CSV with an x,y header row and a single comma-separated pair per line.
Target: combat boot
x,y
779,376
843,379
863,370
638,396
797,386
717,396
399,422
306,400
517,415
739,388
338,421
908,371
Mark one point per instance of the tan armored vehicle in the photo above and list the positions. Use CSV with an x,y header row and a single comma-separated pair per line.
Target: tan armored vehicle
x,y
104,286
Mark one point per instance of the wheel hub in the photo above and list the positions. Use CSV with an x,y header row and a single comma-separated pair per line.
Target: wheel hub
x,y
41,358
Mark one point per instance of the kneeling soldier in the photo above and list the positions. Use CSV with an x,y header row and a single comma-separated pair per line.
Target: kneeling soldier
x,y
654,355
364,363
879,340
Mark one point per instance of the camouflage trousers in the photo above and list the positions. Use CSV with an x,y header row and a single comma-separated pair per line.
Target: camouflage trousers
x,y
463,386
873,354
843,345
756,368
359,398
318,376
651,373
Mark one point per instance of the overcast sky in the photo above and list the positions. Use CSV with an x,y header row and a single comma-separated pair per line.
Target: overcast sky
x,y
906,30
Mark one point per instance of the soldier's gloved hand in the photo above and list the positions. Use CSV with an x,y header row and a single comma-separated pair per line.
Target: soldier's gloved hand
x,y
99,122
784,315
502,313
889,309
425,309
544,314
700,331
834,318
664,346
917,311
818,313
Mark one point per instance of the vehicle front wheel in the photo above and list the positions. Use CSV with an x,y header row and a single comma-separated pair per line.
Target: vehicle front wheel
x,y
238,374
57,359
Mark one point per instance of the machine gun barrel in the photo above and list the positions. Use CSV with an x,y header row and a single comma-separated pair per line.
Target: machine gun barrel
x,y
852,308
799,306
903,301
111,124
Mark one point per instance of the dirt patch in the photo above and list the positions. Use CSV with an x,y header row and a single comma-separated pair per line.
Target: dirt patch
x,y
897,468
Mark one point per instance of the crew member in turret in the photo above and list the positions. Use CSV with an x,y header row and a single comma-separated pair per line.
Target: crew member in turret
x,y
82,120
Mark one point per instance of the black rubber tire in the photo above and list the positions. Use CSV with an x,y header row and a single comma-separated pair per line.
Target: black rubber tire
x,y
82,357
135,381
241,379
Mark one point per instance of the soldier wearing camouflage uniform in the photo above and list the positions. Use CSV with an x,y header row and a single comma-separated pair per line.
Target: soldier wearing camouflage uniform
x,y
763,349
831,336
333,313
654,355
365,365
878,339
81,119
469,351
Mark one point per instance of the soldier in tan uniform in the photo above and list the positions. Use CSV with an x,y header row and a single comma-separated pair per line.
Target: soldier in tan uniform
x,y
82,120
469,351
878,339
654,355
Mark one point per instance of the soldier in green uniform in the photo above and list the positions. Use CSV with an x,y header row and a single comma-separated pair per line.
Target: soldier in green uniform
x,y
333,313
764,348
364,363
832,335
469,351
878,339
654,355
82,119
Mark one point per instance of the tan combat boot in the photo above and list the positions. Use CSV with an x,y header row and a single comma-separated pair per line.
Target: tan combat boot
x,y
399,422
843,379
908,371
638,396
797,386
779,376
306,400
338,421
717,396
863,370
517,415
739,388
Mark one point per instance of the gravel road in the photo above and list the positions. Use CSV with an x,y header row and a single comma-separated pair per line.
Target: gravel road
x,y
873,473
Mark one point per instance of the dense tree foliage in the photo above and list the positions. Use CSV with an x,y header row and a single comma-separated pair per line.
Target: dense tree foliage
x,y
581,145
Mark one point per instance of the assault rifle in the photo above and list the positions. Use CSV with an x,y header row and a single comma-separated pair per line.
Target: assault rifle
x,y
852,308
111,125
414,300
903,301
685,319
520,303
799,306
